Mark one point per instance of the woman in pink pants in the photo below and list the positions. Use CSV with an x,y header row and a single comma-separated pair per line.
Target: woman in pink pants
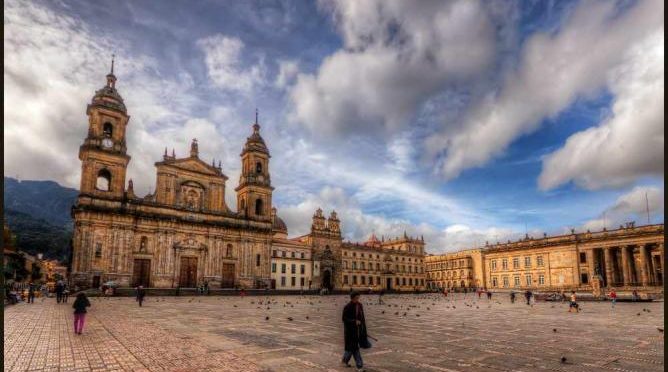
x,y
80,305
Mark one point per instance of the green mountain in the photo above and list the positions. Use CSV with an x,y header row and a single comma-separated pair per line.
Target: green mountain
x,y
38,213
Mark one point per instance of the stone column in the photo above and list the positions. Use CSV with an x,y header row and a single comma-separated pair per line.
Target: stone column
x,y
608,266
590,263
644,274
626,265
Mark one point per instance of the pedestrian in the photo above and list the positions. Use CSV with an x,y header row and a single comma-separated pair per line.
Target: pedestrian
x,y
634,295
354,331
613,297
563,296
573,304
80,305
512,297
380,296
528,295
59,291
45,292
66,293
141,293
206,287
489,295
479,290
178,290
31,293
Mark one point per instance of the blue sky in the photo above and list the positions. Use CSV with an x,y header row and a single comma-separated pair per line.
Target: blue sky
x,y
462,121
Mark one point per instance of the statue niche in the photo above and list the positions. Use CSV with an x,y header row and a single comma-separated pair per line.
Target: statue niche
x,y
191,195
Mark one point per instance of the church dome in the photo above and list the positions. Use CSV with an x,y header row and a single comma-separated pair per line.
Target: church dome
x,y
278,225
255,143
108,96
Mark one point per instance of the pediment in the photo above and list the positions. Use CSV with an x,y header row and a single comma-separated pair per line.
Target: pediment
x,y
195,165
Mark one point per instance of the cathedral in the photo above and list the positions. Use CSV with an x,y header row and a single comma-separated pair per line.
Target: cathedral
x,y
180,235
183,234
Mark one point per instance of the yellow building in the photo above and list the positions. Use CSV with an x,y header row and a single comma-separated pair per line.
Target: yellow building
x,y
628,257
463,269
395,264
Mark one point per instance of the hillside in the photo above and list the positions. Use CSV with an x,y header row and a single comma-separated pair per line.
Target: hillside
x,y
45,200
38,213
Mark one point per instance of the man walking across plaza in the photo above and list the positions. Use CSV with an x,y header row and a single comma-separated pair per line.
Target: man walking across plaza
x,y
354,331
141,293
573,304
528,295
380,296
31,293
489,295
512,297
60,287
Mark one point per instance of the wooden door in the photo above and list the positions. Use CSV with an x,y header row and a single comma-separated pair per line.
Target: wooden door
x,y
228,276
141,273
188,275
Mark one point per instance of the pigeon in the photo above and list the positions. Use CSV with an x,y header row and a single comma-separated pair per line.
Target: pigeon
x,y
660,330
235,305
397,313
266,318
554,330
383,312
563,359
638,314
290,318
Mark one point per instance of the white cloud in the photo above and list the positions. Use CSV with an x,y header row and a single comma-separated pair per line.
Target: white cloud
x,y
396,54
631,206
554,70
630,143
48,84
287,72
222,55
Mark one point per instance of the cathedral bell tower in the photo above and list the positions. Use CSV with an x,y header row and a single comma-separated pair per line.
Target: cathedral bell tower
x,y
103,154
254,190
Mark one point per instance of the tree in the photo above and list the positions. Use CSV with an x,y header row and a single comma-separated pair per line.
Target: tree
x,y
16,268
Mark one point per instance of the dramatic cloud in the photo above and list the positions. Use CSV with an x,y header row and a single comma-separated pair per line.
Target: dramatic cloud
x,y
632,206
396,54
554,70
57,81
630,143
225,66
357,225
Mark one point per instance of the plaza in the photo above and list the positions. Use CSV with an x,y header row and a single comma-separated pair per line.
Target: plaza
x,y
415,333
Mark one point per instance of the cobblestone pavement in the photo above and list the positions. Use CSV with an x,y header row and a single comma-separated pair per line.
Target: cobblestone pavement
x,y
435,334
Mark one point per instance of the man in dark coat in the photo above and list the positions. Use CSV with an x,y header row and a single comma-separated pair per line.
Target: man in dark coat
x,y
141,293
60,288
354,331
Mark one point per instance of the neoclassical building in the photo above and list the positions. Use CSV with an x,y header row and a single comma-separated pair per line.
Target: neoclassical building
x,y
630,257
183,233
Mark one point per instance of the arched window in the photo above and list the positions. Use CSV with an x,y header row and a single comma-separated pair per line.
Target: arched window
x,y
258,207
258,167
108,130
103,180
143,244
228,251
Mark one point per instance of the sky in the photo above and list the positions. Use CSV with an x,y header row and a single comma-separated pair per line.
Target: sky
x,y
461,121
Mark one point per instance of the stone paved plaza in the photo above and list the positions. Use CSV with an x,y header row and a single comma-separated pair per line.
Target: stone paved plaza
x,y
233,334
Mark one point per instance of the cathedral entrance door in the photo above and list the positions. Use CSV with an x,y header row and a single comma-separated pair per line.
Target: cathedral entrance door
x,y
389,284
327,280
188,275
141,273
228,276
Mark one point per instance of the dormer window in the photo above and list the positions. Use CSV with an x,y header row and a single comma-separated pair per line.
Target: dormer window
x,y
258,167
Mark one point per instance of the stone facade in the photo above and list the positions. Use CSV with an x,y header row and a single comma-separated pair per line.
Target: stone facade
x,y
182,234
394,264
625,258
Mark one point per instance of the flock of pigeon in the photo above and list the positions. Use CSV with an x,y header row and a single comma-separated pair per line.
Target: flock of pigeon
x,y
401,309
